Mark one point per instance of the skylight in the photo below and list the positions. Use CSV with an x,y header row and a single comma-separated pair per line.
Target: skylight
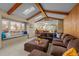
x,y
29,10
39,17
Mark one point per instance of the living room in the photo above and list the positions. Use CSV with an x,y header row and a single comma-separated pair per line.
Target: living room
x,y
39,29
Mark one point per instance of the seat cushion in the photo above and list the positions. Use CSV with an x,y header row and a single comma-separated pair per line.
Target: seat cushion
x,y
58,43
58,50
74,44
36,52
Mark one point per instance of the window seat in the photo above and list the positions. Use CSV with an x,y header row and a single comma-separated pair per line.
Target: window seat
x,y
16,36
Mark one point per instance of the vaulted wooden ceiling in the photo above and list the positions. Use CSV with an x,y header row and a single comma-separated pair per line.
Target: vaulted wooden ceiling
x,y
55,11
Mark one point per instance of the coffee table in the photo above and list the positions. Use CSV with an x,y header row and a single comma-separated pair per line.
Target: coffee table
x,y
31,45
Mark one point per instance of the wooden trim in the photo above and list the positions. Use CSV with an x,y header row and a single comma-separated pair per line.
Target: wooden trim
x,y
57,12
55,18
73,7
13,8
33,16
41,9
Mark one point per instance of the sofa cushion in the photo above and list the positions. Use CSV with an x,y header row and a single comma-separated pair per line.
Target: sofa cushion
x,y
57,50
63,36
67,39
58,43
74,44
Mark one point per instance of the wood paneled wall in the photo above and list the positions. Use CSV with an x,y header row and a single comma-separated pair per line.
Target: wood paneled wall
x,y
71,22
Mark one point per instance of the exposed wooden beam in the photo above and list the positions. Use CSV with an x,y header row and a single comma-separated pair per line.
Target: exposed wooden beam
x,y
43,12
13,8
33,16
47,19
41,9
40,19
57,12
55,18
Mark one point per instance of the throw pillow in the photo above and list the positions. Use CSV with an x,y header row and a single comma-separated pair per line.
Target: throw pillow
x,y
58,35
71,52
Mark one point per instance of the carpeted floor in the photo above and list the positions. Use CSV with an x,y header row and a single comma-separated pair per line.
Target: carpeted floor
x,y
15,50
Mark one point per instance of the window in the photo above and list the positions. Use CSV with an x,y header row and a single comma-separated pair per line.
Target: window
x,y
17,26
23,27
5,24
13,26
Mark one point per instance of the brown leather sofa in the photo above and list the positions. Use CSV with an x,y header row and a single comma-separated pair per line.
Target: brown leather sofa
x,y
59,47
58,50
66,42
63,41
